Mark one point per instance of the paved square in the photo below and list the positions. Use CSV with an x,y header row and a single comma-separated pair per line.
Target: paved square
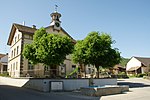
x,y
139,90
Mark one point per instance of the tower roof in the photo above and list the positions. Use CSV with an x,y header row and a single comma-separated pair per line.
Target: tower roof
x,y
55,13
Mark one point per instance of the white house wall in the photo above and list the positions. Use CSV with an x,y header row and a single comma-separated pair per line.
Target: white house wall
x,y
14,59
133,63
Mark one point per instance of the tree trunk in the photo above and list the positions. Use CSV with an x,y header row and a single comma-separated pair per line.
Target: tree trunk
x,y
85,70
53,71
50,71
82,69
98,72
97,67
57,71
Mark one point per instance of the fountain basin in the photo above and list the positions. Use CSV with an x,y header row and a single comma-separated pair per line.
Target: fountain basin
x,y
104,90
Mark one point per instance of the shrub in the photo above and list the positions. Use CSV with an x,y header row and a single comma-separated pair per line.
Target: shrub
x,y
122,73
5,74
141,75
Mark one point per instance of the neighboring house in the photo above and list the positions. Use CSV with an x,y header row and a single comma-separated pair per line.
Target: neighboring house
x,y
3,63
118,69
137,65
88,70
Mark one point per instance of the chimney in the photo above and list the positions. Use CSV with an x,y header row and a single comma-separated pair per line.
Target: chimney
x,y
33,26
23,23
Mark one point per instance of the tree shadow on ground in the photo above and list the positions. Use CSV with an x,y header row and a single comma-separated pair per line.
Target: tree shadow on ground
x,y
120,80
133,85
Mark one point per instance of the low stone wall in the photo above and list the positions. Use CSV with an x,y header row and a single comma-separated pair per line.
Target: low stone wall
x,y
44,84
36,84
68,84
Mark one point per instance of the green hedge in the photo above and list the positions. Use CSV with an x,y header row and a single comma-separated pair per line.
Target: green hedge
x,y
5,74
141,75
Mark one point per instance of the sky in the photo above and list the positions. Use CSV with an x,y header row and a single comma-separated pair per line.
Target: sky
x,y
127,21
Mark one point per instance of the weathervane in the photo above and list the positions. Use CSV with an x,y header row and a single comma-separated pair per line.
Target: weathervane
x,y
56,8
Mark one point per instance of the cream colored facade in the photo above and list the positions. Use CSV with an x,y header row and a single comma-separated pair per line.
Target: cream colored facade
x,y
20,67
14,56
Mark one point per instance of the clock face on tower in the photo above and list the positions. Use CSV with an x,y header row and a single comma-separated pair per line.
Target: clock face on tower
x,y
57,24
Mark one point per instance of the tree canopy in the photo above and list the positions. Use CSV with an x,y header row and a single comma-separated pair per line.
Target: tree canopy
x,y
96,49
124,61
48,48
79,52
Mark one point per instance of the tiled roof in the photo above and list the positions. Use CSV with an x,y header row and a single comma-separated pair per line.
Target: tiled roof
x,y
21,28
134,68
4,59
29,30
144,61
25,29
74,41
2,55
118,66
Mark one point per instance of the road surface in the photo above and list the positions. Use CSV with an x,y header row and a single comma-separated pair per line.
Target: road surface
x,y
139,90
16,93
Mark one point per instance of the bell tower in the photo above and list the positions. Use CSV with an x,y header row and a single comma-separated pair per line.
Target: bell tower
x,y
55,19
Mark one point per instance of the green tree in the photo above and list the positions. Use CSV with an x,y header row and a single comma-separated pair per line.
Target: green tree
x,y
124,61
78,55
96,49
49,49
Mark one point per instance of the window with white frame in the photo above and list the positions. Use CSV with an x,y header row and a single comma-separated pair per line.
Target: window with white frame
x,y
17,50
16,65
15,39
14,52
18,37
